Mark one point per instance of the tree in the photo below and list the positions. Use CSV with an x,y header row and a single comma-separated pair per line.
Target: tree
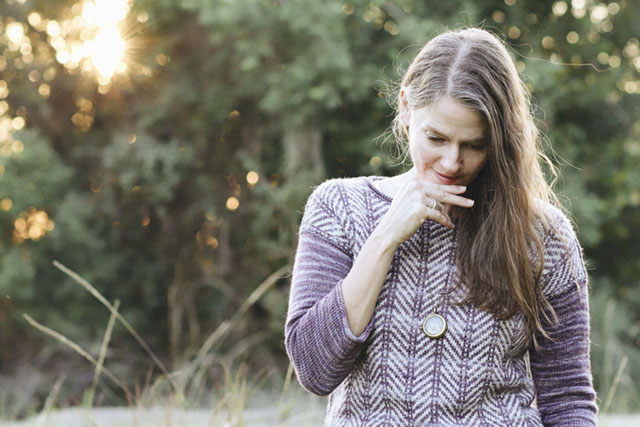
x,y
176,184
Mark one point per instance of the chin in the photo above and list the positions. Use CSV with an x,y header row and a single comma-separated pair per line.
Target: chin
x,y
430,177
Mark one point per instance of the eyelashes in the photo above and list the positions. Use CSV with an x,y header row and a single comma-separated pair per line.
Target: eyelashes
x,y
434,138
473,146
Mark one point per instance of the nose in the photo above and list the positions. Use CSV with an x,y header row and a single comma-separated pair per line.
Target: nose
x,y
451,160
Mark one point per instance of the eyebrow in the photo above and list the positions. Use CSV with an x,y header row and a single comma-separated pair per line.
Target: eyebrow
x,y
482,139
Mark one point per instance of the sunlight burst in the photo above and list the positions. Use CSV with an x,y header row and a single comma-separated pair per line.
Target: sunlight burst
x,y
92,40
111,12
108,51
108,46
100,41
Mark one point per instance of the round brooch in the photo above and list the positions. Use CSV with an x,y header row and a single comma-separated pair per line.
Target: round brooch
x,y
434,326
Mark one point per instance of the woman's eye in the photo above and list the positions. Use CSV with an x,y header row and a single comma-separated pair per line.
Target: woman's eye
x,y
434,138
475,146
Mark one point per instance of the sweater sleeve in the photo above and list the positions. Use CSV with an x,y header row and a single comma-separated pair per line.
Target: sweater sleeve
x,y
318,340
560,367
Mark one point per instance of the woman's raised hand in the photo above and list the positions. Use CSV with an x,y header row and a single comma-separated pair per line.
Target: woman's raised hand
x,y
415,202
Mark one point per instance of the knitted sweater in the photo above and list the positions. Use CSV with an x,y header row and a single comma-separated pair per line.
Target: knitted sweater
x,y
393,374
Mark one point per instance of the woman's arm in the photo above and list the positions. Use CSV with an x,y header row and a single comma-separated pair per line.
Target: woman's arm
x,y
560,367
319,340
408,211
333,296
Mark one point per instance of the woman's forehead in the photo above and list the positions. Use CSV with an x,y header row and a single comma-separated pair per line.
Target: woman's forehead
x,y
450,117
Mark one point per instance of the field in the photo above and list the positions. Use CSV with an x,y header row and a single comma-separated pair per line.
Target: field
x,y
297,409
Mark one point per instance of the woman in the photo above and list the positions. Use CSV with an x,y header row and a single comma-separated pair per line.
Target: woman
x,y
426,298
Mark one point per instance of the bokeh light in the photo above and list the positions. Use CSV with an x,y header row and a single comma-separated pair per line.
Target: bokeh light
x,y
6,204
4,89
603,58
559,8
514,32
599,13
44,90
547,42
32,225
613,8
614,61
578,8
34,19
233,203
212,242
15,33
253,178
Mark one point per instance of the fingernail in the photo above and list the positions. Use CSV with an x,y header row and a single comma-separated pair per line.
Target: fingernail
x,y
471,202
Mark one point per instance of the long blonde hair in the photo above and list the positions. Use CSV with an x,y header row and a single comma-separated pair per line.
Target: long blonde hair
x,y
500,244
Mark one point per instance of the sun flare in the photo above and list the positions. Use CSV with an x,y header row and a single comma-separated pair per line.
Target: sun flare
x,y
108,51
90,40
108,46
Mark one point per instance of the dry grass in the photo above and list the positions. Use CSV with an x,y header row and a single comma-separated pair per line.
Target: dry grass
x,y
178,391
168,400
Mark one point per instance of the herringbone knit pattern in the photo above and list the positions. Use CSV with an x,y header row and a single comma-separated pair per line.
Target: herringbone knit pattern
x,y
393,374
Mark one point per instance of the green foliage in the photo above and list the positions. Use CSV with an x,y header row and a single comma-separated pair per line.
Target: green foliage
x,y
136,174
34,178
615,351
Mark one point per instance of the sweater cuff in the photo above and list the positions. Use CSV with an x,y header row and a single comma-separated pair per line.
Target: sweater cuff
x,y
342,310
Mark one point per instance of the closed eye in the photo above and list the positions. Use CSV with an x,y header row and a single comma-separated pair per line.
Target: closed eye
x,y
478,147
434,138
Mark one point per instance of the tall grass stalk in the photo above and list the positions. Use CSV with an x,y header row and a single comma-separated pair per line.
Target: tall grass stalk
x,y
48,404
190,380
101,357
75,347
614,386
282,410
192,372
93,291
235,396
225,326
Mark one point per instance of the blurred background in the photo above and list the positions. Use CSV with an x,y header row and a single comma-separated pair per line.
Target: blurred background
x,y
164,150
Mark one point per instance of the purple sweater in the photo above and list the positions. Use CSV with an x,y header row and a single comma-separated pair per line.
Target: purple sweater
x,y
393,374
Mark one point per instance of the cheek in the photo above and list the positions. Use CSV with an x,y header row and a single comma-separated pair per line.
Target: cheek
x,y
415,150
422,155
476,163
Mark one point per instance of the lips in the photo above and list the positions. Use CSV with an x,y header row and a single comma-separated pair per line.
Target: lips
x,y
446,179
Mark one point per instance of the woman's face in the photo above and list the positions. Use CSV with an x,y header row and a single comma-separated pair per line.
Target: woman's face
x,y
447,141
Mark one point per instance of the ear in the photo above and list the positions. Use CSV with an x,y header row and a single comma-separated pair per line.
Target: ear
x,y
404,113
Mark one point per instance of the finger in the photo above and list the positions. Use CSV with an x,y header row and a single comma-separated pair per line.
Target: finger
x,y
451,189
450,199
415,180
439,217
434,204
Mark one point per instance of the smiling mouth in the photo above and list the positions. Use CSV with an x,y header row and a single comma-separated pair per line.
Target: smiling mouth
x,y
447,179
